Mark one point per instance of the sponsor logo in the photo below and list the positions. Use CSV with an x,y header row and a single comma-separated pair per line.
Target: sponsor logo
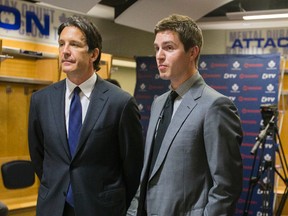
x,y
268,76
241,99
230,76
270,89
236,66
219,65
249,76
271,65
203,65
206,75
235,88
267,99
251,88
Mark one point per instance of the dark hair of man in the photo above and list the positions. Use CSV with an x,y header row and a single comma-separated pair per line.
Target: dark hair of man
x,y
91,33
114,81
189,32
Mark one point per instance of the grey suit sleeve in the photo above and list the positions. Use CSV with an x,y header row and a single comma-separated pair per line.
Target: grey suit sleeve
x,y
223,137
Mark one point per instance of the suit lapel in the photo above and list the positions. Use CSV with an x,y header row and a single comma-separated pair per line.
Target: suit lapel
x,y
58,95
97,103
152,126
184,110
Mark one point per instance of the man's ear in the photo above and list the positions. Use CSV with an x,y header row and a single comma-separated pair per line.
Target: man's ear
x,y
194,51
94,54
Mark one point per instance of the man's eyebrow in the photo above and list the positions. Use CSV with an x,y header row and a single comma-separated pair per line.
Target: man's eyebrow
x,y
165,43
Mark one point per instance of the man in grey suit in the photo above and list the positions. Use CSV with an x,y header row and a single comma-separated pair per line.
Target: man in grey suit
x,y
101,175
198,168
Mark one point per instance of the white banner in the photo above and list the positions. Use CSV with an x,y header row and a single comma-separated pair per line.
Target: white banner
x,y
258,41
30,22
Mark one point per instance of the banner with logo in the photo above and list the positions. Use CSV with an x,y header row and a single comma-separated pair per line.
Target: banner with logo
x,y
251,82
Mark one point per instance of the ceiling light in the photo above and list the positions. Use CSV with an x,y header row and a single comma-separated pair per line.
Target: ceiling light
x,y
268,16
256,15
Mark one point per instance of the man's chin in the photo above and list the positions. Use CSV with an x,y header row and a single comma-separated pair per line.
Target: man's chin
x,y
164,76
66,70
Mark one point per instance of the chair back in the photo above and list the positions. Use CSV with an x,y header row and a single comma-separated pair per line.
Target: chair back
x,y
18,174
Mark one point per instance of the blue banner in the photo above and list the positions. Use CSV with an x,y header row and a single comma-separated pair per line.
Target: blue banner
x,y
251,82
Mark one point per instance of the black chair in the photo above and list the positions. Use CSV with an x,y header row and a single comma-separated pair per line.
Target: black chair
x,y
3,209
18,174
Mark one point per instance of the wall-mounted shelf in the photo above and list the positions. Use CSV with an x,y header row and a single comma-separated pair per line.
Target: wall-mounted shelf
x,y
11,52
4,57
23,80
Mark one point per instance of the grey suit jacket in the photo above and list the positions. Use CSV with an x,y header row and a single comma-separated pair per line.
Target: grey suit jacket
x,y
105,170
199,167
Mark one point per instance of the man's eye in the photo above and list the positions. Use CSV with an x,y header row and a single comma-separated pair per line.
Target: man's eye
x,y
75,44
169,48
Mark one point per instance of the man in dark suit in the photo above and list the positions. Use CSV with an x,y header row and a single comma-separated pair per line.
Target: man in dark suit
x,y
101,173
198,167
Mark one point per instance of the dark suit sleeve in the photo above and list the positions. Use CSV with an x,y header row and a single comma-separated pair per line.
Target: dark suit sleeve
x,y
35,137
132,149
223,137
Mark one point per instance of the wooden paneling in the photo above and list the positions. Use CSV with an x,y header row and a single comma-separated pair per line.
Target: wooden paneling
x,y
14,108
279,184
45,68
27,211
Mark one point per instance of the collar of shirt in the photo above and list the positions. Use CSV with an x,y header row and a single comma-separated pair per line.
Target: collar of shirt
x,y
184,87
86,87
86,90
182,90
